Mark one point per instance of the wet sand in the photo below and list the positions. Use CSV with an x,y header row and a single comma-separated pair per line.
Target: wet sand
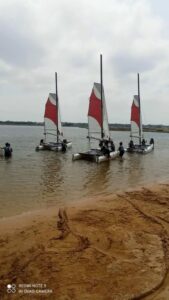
x,y
115,247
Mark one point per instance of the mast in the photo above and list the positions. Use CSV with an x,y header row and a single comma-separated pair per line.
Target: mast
x,y
138,81
101,83
56,108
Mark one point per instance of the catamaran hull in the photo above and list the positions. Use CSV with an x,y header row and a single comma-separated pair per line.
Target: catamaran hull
x,y
141,149
1,152
102,158
95,156
53,146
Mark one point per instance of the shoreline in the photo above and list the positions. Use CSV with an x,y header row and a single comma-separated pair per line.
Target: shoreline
x,y
113,127
150,185
113,247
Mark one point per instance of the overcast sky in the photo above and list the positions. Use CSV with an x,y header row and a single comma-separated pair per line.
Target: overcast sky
x,y
39,38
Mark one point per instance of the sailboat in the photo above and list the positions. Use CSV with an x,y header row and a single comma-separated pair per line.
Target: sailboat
x,y
53,133
98,128
136,132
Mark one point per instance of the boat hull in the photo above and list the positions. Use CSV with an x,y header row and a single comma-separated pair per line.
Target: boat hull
x,y
141,149
95,155
53,146
1,152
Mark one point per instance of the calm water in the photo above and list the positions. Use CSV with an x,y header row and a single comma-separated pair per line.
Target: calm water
x,y
33,180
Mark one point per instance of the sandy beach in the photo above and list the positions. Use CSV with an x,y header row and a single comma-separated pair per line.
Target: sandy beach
x,y
115,247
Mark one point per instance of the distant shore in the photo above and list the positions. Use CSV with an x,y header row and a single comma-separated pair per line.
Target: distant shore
x,y
113,247
113,127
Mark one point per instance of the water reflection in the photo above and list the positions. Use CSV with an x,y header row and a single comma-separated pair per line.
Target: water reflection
x,y
97,178
51,178
31,180
135,171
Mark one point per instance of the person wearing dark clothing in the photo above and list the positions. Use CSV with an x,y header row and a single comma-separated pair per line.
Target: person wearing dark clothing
x,y
143,142
105,150
111,145
8,150
64,147
121,149
131,145
101,143
106,143
41,142
151,141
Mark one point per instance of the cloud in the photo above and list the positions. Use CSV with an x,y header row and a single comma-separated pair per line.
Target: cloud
x,y
41,37
19,46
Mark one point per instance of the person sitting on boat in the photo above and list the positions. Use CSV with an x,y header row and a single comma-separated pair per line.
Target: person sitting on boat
x,y
8,150
41,142
131,144
106,142
105,150
143,142
121,149
112,146
101,143
151,141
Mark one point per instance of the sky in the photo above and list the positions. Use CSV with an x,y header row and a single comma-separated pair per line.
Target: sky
x,y
39,38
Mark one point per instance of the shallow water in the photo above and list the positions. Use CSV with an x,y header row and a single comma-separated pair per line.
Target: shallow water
x,y
31,180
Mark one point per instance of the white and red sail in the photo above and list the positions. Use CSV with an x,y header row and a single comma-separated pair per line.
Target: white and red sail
x,y
136,122
97,114
52,117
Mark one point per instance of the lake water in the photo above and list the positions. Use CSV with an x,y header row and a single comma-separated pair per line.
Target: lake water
x,y
32,180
